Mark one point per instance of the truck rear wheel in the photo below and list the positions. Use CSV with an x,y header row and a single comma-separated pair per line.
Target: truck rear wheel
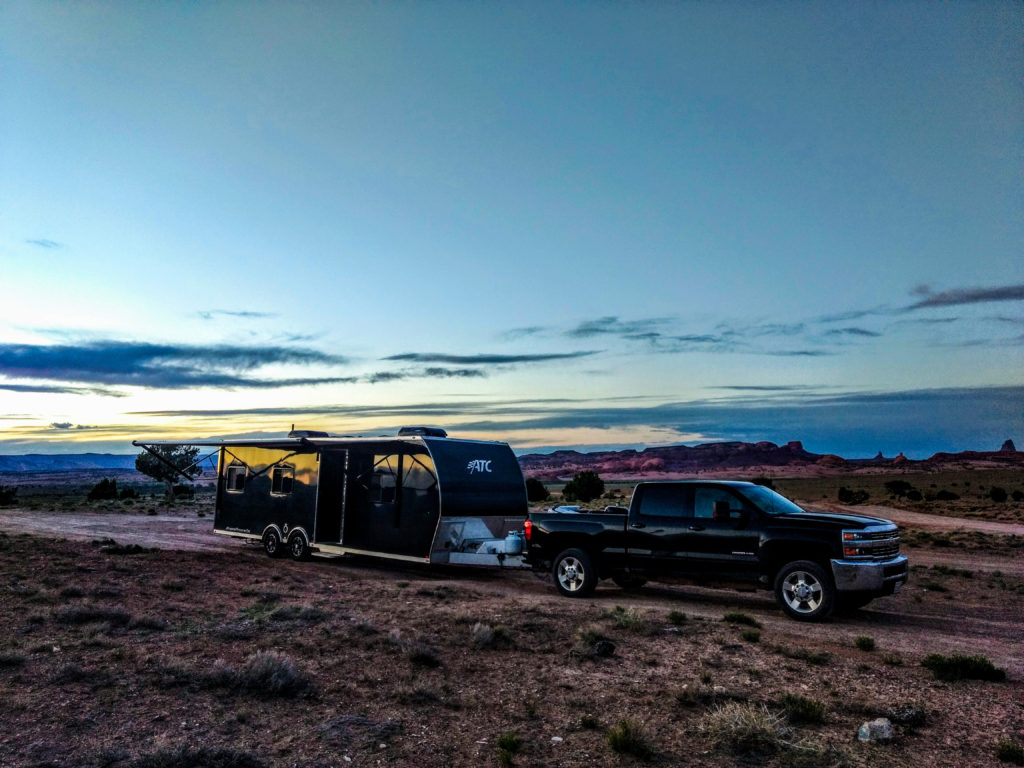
x,y
574,573
805,591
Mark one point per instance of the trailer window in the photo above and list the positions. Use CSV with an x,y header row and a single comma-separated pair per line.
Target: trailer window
x,y
418,472
281,479
235,480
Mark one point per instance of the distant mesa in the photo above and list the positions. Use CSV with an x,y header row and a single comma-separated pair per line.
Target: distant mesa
x,y
1008,447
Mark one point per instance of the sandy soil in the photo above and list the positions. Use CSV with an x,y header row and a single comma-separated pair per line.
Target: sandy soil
x,y
118,658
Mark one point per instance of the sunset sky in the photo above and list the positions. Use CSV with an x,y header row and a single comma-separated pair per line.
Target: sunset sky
x,y
554,224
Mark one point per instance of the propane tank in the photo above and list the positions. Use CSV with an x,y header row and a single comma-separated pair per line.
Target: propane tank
x,y
514,543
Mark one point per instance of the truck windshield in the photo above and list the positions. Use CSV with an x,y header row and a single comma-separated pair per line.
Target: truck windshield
x,y
769,501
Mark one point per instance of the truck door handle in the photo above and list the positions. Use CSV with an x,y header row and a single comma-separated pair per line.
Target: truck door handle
x,y
638,525
696,527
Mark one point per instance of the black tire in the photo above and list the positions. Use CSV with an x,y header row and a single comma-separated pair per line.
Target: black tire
x,y
804,590
272,544
848,602
298,547
574,574
629,582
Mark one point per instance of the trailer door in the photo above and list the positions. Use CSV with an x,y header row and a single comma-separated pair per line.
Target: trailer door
x,y
330,499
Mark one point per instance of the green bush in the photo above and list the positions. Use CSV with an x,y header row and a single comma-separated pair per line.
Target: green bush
x,y
997,494
627,738
865,643
676,617
103,490
850,496
585,486
1010,752
801,709
738,617
535,490
7,494
961,667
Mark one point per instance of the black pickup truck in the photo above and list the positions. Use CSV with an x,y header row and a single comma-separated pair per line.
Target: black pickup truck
x,y
722,533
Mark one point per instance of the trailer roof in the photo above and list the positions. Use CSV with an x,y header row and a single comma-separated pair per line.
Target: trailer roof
x,y
296,443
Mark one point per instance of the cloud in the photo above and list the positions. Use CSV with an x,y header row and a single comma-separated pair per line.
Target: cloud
x,y
67,425
49,389
140,364
210,314
518,333
852,332
486,359
611,325
959,296
43,243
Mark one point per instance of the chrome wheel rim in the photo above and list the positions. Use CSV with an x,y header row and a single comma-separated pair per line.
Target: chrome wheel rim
x,y
802,592
570,574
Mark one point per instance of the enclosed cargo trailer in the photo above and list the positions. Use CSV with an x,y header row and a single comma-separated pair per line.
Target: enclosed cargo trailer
x,y
420,496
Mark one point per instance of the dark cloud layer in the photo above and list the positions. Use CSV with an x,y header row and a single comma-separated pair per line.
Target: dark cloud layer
x,y
485,359
139,364
959,296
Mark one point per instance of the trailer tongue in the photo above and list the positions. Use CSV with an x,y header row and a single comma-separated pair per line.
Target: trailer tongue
x,y
419,496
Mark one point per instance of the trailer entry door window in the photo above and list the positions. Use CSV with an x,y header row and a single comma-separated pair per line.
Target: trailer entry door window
x,y
281,479
384,480
236,478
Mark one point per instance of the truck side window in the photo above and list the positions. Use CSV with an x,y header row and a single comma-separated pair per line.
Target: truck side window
x,y
235,479
704,502
666,501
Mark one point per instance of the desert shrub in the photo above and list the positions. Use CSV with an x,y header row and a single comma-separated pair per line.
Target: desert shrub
x,y
103,490
152,623
486,636
7,494
72,673
422,655
305,614
1017,495
850,496
508,745
818,658
1010,752
762,480
628,738
207,757
746,730
536,490
914,495
128,494
86,614
592,643
629,619
676,617
865,643
11,660
962,667
266,674
738,617
997,494
589,723
751,635
585,486
945,495
898,488
801,709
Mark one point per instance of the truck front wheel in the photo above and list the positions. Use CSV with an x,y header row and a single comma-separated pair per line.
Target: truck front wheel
x,y
805,591
574,574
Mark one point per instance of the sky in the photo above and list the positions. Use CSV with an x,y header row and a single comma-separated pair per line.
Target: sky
x,y
560,225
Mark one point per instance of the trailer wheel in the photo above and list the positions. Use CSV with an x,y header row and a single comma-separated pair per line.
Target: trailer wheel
x,y
805,591
272,543
575,575
297,546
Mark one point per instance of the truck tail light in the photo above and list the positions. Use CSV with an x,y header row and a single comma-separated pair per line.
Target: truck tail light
x,y
527,530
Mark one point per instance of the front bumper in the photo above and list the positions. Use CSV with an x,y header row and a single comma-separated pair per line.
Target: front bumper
x,y
868,576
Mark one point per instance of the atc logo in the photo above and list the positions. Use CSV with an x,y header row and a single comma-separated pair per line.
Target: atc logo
x,y
479,465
